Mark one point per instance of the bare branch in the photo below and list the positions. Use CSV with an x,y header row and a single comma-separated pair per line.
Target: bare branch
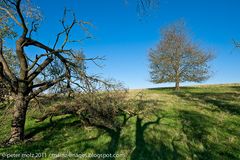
x,y
35,62
33,28
66,30
12,16
45,86
18,7
4,63
39,69
4,78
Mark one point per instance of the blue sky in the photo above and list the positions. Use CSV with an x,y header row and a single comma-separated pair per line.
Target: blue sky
x,y
124,38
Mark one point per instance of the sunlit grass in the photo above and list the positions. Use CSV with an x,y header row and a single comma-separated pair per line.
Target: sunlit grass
x,y
199,122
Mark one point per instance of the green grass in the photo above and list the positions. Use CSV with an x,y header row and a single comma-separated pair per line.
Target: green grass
x,y
200,122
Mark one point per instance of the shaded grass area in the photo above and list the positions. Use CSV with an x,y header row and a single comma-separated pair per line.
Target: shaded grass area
x,y
193,123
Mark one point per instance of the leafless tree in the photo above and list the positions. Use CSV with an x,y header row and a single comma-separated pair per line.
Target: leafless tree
x,y
56,66
37,72
177,59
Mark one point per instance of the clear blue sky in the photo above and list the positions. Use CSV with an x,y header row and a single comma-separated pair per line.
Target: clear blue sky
x,y
124,38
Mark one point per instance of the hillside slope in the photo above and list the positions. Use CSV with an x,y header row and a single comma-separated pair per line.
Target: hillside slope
x,y
194,123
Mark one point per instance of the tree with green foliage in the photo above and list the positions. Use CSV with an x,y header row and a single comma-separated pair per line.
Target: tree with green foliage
x,y
177,58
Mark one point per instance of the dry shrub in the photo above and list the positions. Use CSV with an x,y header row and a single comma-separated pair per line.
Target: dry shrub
x,y
98,108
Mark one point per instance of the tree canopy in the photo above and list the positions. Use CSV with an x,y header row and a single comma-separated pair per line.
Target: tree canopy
x,y
177,58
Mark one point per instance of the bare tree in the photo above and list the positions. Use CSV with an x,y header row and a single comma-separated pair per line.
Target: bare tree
x,y
56,65
177,59
38,72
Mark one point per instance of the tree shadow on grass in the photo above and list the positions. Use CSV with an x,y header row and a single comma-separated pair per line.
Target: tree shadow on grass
x,y
154,143
49,133
56,125
236,88
172,88
149,144
114,134
141,150
222,101
197,128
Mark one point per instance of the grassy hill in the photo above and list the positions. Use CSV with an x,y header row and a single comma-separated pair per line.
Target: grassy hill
x,y
201,122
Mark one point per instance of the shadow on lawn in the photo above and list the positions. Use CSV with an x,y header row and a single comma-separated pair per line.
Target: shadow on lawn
x,y
236,88
140,150
197,128
51,126
143,149
49,132
154,143
171,89
222,101
115,134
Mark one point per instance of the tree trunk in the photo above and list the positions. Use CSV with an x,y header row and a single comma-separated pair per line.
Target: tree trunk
x,y
177,87
19,117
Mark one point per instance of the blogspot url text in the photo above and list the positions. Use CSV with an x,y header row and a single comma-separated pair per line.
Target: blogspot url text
x,y
59,155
